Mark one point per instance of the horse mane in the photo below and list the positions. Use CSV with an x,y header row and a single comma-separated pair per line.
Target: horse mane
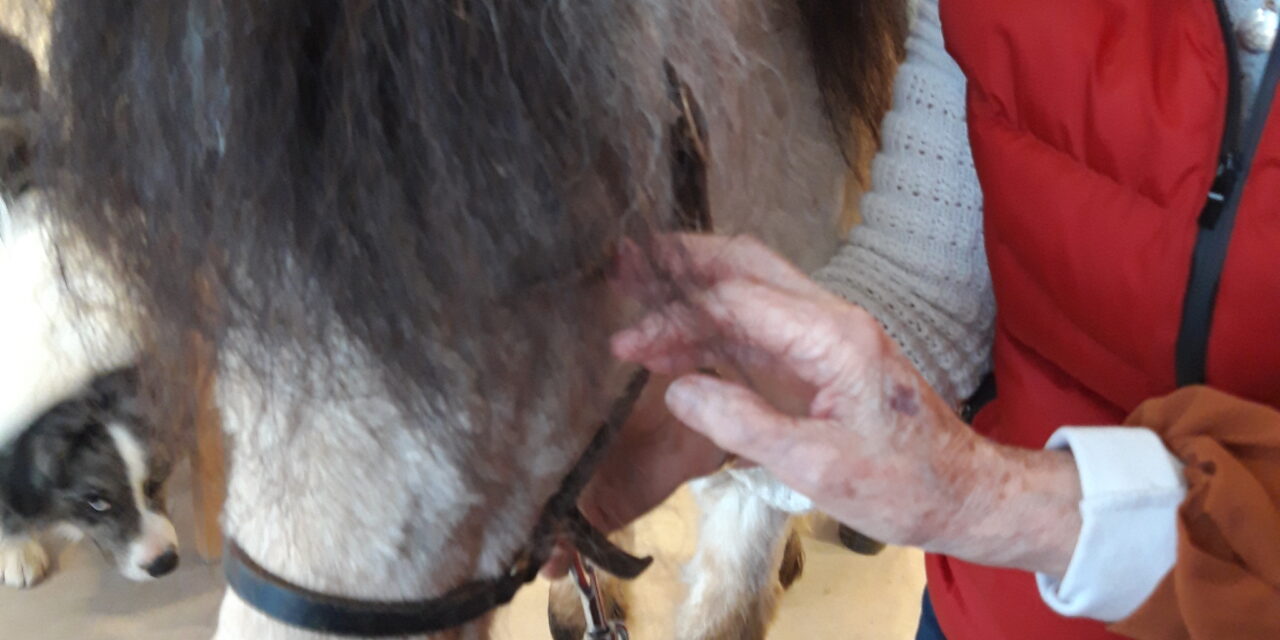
x,y
855,47
419,180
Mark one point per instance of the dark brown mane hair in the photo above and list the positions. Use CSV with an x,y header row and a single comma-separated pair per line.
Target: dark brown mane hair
x,y
420,177
856,47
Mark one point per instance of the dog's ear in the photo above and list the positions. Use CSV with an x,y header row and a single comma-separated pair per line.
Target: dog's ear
x,y
40,455
115,391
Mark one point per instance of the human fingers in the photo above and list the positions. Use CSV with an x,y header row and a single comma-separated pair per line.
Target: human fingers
x,y
816,340
736,418
669,340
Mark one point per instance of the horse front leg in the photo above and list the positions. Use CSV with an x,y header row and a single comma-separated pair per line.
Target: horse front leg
x,y
747,555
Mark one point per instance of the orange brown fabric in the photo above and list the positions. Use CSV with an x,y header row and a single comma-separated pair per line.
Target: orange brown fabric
x,y
1226,582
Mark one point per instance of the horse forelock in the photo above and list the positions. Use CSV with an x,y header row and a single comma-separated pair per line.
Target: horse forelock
x,y
397,174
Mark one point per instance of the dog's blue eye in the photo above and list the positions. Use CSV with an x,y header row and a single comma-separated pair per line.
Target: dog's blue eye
x,y
99,504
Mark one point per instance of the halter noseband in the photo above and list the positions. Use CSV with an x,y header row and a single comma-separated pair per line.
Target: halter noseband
x,y
306,609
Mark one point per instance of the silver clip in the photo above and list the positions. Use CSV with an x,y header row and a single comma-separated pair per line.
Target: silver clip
x,y
599,627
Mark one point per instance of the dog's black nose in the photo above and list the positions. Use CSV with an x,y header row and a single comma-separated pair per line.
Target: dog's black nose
x,y
163,565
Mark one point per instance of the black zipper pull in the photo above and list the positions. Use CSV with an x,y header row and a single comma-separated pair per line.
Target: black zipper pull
x,y
1219,191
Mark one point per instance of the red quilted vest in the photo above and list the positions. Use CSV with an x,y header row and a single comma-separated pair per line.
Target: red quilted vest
x,y
1096,128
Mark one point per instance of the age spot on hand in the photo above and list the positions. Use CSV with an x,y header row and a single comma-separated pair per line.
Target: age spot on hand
x,y
904,400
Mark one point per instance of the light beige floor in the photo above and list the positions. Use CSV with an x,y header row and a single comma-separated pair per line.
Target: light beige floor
x,y
841,595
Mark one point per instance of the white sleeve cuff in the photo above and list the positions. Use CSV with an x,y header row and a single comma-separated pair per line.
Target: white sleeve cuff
x,y
1132,487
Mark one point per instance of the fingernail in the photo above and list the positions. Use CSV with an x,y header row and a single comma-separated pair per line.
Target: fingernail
x,y
682,394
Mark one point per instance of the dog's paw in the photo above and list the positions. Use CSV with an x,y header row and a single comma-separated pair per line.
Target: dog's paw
x,y
23,562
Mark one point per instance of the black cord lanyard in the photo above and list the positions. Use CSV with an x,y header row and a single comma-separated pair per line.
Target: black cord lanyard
x,y
1217,219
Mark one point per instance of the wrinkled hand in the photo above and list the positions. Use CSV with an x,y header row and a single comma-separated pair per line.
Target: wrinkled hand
x,y
827,403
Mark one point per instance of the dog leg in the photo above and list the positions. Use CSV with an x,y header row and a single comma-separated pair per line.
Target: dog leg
x,y
740,566
23,561
564,610
564,605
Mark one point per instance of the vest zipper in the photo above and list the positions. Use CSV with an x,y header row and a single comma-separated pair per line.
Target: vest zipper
x,y
1217,218
1225,182
1229,150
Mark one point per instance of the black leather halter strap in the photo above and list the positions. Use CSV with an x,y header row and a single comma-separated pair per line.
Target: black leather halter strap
x,y
307,609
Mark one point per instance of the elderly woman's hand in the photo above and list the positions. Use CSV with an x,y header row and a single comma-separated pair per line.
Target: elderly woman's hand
x,y
823,398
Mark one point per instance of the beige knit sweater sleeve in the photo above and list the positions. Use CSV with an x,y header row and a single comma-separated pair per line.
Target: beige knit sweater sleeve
x,y
917,261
